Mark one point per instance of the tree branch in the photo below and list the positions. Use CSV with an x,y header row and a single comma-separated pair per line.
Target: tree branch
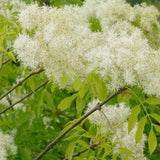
x,y
21,82
11,106
6,61
77,154
92,146
97,107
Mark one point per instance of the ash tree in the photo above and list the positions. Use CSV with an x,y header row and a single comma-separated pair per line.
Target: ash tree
x,y
79,81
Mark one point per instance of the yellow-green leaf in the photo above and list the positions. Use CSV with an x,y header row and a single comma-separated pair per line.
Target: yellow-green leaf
x,y
77,84
107,150
71,137
70,150
139,132
152,101
11,55
83,144
31,83
126,151
133,117
114,157
152,141
83,90
79,106
124,157
156,117
64,80
157,127
66,102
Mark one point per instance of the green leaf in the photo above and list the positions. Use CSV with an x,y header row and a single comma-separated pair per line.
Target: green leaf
x,y
11,55
92,158
152,101
126,152
83,90
32,84
139,132
71,137
70,150
107,150
124,157
83,144
64,80
66,102
124,98
101,91
79,106
114,157
157,127
152,141
133,117
77,84
99,84
78,128
156,117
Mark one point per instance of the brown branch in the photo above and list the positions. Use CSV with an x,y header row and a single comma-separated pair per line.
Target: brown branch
x,y
6,61
11,106
92,146
21,82
77,154
97,107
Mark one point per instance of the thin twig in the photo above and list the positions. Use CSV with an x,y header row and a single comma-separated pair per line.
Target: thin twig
x,y
21,82
109,123
78,153
2,57
97,107
92,146
8,60
11,106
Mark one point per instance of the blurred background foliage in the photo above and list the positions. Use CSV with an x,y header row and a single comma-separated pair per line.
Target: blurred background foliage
x,y
59,3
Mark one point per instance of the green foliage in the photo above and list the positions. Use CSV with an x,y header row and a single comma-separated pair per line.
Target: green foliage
x,y
95,24
140,129
133,117
152,141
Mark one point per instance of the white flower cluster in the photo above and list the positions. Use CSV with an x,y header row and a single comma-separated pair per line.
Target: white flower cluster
x,y
6,146
117,116
61,41
7,7
8,20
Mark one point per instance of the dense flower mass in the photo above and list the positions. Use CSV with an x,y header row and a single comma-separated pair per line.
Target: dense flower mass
x,y
8,21
121,50
117,116
6,146
8,7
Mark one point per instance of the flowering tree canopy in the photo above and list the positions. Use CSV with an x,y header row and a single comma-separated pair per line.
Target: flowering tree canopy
x,y
102,65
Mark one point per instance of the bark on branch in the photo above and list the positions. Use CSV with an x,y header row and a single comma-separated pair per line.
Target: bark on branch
x,y
11,106
9,59
21,82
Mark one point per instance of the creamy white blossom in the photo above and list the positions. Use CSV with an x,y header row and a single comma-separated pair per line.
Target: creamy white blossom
x,y
127,140
117,116
6,145
61,41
